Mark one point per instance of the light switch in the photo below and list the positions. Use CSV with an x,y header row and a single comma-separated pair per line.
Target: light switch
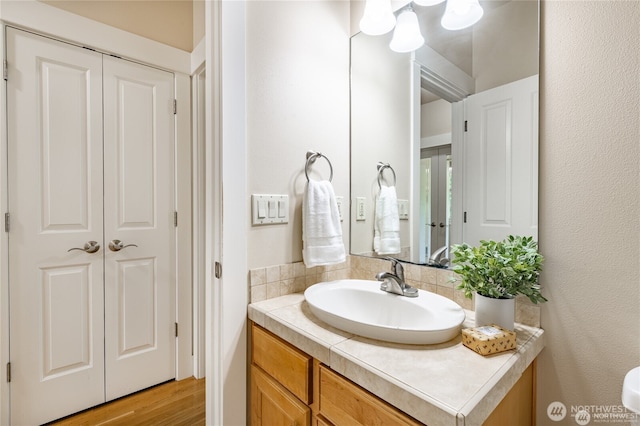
x,y
269,209
262,209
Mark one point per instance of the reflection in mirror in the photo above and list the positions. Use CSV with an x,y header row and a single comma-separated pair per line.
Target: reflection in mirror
x,y
411,109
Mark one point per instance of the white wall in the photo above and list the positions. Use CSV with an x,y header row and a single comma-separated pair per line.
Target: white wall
x,y
435,118
508,32
297,100
168,22
589,201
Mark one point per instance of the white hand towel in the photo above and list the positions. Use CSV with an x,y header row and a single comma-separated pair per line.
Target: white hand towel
x,y
321,231
386,227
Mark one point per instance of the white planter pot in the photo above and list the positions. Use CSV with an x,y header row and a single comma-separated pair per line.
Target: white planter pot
x,y
500,312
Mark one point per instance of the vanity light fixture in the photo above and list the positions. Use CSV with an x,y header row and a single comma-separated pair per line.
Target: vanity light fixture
x,y
378,17
461,14
406,36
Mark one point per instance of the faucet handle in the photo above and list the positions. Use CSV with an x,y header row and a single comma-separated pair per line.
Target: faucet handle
x,y
399,270
397,267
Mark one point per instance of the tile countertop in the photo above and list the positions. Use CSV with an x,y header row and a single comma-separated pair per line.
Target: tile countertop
x,y
444,384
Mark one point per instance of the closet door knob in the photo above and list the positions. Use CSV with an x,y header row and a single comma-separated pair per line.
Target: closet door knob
x,y
117,245
89,247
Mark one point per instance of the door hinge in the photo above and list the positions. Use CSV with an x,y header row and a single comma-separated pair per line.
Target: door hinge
x,y
218,270
175,106
8,372
176,329
6,222
5,70
466,123
175,219
464,219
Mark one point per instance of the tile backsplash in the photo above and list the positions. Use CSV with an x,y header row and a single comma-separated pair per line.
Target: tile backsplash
x,y
279,280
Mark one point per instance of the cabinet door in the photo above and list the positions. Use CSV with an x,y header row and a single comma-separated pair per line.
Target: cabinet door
x,y
345,403
272,404
288,365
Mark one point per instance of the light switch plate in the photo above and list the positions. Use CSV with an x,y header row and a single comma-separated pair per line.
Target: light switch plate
x,y
360,208
269,209
403,209
340,202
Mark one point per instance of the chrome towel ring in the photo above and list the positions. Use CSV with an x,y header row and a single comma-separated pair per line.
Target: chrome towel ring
x,y
311,158
381,166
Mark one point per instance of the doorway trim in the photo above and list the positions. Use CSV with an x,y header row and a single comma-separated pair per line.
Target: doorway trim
x,y
50,21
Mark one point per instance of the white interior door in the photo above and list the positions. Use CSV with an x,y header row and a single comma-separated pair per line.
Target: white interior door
x,y
139,209
87,325
501,162
54,109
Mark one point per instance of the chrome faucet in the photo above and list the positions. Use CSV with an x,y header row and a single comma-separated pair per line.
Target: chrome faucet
x,y
439,257
393,282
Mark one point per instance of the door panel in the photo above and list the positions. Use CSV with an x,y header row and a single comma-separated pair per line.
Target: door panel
x,y
66,319
55,199
139,206
65,122
136,145
136,296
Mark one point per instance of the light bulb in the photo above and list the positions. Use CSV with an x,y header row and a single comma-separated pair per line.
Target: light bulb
x,y
377,18
427,2
461,14
406,36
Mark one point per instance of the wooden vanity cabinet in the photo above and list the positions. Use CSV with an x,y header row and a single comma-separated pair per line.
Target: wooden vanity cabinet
x,y
281,383
289,387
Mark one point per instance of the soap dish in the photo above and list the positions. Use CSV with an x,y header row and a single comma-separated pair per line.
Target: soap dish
x,y
489,339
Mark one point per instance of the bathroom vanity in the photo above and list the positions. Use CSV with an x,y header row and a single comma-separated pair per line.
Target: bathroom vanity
x,y
306,372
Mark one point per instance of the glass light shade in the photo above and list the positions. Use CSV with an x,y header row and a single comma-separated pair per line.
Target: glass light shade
x,y
406,36
461,14
378,18
427,2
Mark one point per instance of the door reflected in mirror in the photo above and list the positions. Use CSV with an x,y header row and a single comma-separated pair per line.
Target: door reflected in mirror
x,y
435,202
411,110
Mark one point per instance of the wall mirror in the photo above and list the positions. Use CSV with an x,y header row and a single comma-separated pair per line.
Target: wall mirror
x,y
457,121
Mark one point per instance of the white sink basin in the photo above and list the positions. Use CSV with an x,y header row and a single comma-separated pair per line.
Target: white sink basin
x,y
360,307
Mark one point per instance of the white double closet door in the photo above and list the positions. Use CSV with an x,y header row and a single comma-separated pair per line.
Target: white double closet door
x,y
91,165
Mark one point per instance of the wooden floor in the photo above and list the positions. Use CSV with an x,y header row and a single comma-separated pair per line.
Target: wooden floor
x,y
171,403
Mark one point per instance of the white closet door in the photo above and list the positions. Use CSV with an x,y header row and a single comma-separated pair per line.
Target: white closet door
x,y
139,209
501,162
54,107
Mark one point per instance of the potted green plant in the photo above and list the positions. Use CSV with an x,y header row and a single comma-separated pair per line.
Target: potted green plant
x,y
496,272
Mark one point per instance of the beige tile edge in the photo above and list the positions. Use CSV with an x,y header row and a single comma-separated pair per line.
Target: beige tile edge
x,y
419,405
